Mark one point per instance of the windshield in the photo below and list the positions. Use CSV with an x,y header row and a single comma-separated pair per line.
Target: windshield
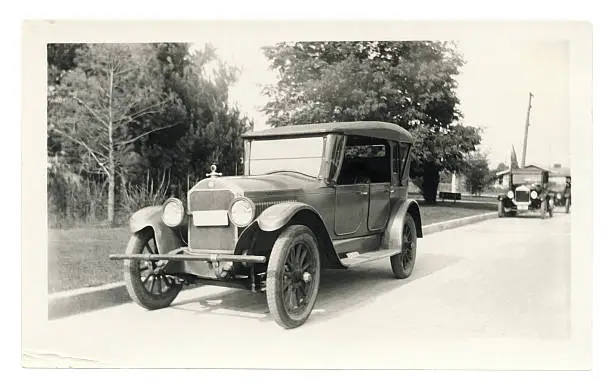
x,y
527,178
556,183
302,155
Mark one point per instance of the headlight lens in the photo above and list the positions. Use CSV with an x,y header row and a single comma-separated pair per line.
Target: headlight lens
x,y
533,195
173,212
510,194
558,195
242,212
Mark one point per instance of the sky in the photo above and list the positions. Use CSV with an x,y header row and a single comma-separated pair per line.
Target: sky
x,y
493,89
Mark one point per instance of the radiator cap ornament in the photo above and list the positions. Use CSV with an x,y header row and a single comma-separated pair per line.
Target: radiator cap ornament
x,y
212,174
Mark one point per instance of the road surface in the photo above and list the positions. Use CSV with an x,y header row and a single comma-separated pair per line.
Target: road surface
x,y
491,294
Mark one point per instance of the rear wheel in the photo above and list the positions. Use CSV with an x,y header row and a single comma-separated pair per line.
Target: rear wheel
x,y
402,264
293,275
146,281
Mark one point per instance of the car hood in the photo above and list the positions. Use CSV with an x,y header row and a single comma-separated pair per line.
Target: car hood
x,y
285,182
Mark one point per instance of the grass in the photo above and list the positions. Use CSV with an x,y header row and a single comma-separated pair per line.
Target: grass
x,y
447,211
79,257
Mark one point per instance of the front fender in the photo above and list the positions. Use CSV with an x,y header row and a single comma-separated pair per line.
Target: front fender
x,y
394,232
166,238
277,216
262,233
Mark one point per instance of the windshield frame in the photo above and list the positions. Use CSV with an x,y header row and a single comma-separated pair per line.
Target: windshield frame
x,y
248,156
524,175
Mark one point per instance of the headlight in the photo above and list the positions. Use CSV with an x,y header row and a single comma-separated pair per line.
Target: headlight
x,y
510,194
558,195
242,212
533,195
173,212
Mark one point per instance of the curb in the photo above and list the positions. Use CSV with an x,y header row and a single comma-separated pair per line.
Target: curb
x,y
86,299
70,302
454,223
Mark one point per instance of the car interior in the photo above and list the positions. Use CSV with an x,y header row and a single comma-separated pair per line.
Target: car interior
x,y
366,160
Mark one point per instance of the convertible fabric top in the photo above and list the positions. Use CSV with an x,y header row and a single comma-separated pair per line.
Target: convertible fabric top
x,y
381,130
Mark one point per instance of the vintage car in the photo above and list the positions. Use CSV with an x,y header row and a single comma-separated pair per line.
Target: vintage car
x,y
562,190
528,192
317,196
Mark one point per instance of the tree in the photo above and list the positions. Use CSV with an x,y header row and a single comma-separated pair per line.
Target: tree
x,y
409,83
477,175
105,105
501,167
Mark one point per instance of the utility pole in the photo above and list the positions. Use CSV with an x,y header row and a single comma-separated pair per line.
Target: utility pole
x,y
526,131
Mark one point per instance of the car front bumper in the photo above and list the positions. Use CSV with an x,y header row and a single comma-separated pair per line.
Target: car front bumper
x,y
184,254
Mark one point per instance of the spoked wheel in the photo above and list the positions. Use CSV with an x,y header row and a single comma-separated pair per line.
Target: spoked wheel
x,y
146,281
293,275
402,264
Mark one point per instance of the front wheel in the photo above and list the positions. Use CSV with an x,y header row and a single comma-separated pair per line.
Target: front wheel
x,y
293,275
567,205
402,264
146,281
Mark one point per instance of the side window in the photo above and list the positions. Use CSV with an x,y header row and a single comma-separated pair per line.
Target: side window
x,y
401,162
396,162
335,157
366,160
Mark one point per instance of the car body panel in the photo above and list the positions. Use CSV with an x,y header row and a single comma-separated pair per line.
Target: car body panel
x,y
167,239
351,209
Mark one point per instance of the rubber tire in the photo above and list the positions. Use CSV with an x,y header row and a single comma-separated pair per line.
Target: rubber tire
x,y
500,210
567,205
133,283
274,278
396,261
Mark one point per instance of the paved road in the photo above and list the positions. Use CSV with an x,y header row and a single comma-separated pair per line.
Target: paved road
x,y
498,286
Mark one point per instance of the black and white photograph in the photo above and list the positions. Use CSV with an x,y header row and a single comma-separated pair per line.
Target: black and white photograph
x,y
308,195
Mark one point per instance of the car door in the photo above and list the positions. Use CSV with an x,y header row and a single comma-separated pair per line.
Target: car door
x,y
351,209
379,207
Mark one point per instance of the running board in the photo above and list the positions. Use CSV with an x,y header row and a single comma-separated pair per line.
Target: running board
x,y
369,256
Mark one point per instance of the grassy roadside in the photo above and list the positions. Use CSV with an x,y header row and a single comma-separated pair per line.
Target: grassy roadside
x,y
79,257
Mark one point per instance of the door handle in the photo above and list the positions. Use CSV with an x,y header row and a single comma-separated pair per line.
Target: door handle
x,y
362,192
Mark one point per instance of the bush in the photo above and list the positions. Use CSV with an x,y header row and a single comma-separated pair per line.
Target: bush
x,y
135,197
73,200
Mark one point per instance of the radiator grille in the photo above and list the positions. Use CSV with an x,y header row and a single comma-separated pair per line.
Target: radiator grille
x,y
521,196
211,238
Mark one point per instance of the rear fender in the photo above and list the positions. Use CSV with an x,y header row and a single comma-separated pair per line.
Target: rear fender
x,y
262,233
166,238
392,238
